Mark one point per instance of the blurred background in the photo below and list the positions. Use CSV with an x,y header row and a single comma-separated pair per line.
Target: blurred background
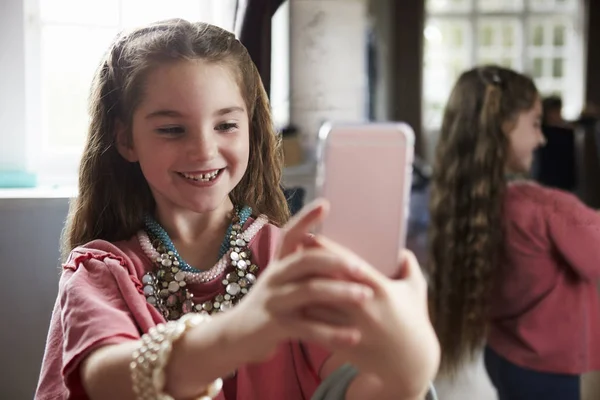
x,y
348,60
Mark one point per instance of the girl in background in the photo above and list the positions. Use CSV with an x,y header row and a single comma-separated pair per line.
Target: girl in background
x,y
513,264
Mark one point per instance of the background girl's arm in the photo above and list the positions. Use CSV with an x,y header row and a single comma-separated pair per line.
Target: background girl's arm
x,y
575,231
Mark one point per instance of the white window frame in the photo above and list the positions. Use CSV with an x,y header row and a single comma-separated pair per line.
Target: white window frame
x,y
57,166
574,75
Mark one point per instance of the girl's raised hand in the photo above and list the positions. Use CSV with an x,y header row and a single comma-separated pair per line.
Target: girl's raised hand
x,y
298,279
398,342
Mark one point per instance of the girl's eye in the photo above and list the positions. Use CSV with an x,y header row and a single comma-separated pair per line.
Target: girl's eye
x,y
171,130
227,127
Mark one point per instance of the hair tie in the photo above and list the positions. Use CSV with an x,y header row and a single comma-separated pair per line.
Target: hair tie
x,y
496,78
490,76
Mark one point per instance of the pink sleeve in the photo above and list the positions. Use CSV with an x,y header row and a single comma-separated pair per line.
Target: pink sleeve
x,y
94,311
317,356
308,362
575,231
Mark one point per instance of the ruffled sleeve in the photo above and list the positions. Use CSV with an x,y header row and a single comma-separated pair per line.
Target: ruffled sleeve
x,y
99,303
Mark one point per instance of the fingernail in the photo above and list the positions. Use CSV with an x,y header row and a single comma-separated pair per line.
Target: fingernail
x,y
353,337
362,292
309,238
355,269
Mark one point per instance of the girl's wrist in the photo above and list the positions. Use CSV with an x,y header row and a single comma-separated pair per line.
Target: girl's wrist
x,y
207,352
255,336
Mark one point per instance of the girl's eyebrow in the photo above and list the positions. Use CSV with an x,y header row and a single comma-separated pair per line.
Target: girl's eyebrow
x,y
173,113
163,113
229,110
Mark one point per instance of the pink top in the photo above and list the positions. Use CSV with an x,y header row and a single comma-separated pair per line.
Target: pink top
x,y
545,311
100,302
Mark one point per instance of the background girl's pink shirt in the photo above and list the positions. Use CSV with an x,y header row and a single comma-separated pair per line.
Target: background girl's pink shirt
x,y
545,312
100,302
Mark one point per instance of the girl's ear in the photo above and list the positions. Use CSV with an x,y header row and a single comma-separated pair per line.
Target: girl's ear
x,y
124,145
509,126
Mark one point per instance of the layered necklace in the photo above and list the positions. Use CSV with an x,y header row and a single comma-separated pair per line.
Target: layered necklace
x,y
166,287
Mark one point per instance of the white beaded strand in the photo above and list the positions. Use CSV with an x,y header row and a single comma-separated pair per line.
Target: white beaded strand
x,y
218,268
152,254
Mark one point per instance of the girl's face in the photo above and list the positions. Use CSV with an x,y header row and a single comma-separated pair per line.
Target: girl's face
x,y
524,137
190,136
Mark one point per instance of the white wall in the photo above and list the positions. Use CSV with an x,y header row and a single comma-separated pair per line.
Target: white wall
x,y
12,84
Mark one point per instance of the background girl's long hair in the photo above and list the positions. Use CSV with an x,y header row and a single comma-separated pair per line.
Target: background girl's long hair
x,y
466,236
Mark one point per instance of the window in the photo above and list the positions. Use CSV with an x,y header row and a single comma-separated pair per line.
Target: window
x,y
65,40
542,38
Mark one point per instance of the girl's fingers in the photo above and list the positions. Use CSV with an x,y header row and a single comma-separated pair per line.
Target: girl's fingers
x,y
410,270
324,334
298,227
310,263
317,292
361,271
328,315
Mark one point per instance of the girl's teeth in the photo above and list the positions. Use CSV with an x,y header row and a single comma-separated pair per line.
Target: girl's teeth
x,y
202,177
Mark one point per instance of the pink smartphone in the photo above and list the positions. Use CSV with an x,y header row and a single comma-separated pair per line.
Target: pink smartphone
x,y
365,172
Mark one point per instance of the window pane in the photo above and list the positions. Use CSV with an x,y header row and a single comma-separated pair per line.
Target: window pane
x,y
553,5
458,37
446,36
92,12
559,35
549,33
449,5
537,36
487,61
499,41
540,3
502,33
557,67
538,67
500,5
486,37
508,36
447,53
66,79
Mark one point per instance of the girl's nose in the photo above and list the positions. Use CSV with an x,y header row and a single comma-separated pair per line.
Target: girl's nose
x,y
203,145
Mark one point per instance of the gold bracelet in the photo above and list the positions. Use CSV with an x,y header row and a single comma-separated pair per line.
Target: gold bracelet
x,y
150,359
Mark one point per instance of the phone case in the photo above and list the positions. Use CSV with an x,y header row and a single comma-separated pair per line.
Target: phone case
x,y
365,172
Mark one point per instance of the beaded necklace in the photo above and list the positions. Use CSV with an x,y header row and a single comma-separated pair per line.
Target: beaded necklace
x,y
157,231
165,288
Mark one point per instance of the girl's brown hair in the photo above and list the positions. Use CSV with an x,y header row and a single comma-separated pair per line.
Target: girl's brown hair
x,y
113,194
465,236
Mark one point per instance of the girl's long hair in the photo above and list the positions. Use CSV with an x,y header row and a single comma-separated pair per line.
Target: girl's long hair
x,y
465,235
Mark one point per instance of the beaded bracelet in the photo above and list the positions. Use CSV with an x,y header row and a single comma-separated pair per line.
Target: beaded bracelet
x,y
150,359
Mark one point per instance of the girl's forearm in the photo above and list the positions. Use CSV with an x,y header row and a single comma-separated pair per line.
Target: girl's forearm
x,y
204,353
